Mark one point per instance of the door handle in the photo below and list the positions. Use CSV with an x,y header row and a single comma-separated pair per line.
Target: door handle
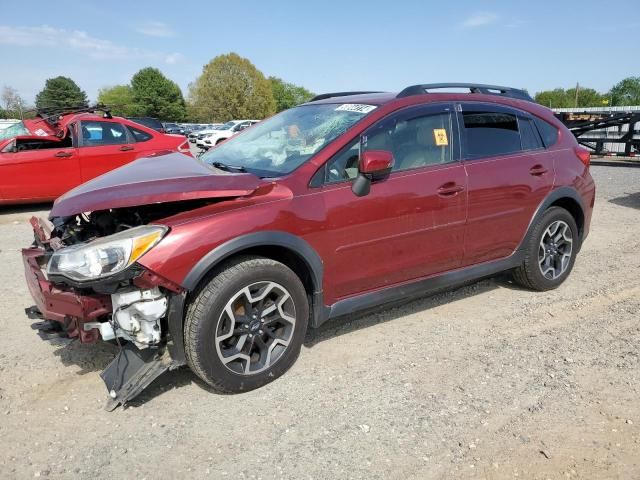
x,y
449,189
537,170
126,148
63,154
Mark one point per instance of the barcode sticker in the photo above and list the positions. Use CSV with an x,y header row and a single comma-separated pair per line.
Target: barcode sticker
x,y
355,107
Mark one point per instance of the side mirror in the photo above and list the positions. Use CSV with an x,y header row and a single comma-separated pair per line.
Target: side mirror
x,y
374,165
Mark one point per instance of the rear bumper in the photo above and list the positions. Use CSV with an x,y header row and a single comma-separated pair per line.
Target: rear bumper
x,y
70,309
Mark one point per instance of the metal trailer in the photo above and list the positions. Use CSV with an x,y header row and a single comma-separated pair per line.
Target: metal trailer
x,y
613,131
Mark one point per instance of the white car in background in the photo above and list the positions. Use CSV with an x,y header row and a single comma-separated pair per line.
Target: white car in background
x,y
227,130
202,132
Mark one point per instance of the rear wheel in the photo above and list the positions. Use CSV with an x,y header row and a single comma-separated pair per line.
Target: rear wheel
x,y
550,251
246,326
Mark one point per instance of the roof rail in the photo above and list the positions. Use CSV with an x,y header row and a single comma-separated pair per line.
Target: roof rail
x,y
339,94
473,88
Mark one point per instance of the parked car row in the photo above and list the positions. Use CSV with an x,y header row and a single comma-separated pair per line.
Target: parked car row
x,y
204,135
210,138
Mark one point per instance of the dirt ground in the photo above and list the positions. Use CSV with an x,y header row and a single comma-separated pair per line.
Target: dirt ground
x,y
488,381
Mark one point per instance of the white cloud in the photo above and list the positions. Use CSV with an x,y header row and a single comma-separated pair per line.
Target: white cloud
x,y
46,36
155,29
480,19
173,58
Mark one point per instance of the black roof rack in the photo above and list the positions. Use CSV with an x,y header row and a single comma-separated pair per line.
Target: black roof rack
x,y
473,88
52,115
339,94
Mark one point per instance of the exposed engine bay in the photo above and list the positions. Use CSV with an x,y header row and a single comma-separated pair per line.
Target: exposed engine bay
x,y
79,298
89,226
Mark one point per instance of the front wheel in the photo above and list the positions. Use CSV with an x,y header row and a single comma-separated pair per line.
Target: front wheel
x,y
550,251
246,326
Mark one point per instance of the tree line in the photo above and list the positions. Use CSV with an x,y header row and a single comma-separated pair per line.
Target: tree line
x,y
624,93
229,87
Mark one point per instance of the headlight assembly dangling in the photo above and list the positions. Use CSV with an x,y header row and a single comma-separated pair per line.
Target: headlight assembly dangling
x,y
105,256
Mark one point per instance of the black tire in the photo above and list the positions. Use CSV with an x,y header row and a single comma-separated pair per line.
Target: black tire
x,y
220,141
529,274
205,313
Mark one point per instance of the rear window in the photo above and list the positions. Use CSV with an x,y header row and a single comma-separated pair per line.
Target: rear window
x,y
490,133
139,135
548,132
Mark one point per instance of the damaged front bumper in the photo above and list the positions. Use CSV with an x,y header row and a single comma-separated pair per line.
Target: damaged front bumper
x,y
134,315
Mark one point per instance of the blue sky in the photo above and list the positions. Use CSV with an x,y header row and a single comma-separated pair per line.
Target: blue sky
x,y
325,46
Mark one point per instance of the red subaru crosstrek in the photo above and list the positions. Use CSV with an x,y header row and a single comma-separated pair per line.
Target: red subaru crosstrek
x,y
346,202
42,158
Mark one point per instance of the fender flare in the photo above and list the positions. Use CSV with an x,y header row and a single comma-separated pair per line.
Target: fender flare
x,y
557,194
267,238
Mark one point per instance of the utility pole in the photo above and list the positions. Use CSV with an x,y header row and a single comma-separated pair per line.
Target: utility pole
x,y
577,90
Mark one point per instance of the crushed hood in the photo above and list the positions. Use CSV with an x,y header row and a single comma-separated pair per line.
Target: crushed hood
x,y
168,177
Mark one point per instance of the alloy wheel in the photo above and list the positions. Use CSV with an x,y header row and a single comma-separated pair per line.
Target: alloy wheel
x,y
555,249
255,328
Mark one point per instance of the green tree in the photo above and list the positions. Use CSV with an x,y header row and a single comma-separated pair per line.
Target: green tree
x,y
560,98
288,95
119,98
61,92
626,92
154,95
556,98
230,87
587,97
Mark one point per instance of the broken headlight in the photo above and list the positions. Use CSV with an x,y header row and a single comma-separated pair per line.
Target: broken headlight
x,y
105,256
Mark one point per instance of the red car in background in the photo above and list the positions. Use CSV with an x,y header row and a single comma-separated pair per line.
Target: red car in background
x,y
42,158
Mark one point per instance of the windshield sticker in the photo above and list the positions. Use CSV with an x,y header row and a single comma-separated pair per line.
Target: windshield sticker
x,y
355,107
440,135
41,133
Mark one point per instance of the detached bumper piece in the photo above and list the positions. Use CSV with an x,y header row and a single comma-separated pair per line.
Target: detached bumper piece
x,y
132,371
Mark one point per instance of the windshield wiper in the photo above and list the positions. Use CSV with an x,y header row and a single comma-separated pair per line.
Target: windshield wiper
x,y
229,168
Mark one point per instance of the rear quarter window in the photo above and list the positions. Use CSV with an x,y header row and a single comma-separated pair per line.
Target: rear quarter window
x,y
529,133
548,132
139,135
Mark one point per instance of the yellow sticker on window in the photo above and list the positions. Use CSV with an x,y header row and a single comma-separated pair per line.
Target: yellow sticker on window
x,y
440,134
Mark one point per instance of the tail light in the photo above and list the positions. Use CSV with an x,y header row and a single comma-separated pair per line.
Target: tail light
x,y
584,155
184,147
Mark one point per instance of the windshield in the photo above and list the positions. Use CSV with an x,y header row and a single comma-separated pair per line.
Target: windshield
x,y
282,143
227,126
14,130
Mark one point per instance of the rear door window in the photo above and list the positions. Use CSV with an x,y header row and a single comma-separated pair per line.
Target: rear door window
x,y
103,133
488,134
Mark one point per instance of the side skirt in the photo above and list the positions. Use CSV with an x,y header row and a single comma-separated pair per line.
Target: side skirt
x,y
421,287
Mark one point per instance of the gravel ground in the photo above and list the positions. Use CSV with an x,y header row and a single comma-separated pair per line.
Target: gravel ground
x,y
487,381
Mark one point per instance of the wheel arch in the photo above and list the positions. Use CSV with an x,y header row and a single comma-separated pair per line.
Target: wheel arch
x,y
285,247
289,249
567,198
